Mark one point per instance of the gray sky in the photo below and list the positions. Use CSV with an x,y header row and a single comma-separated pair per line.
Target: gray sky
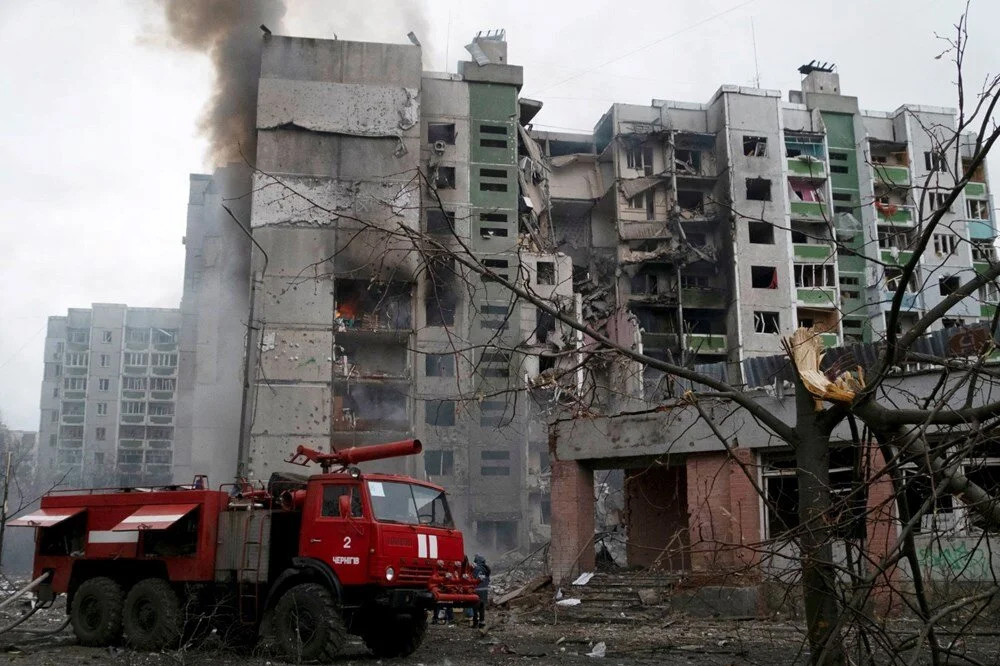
x,y
98,128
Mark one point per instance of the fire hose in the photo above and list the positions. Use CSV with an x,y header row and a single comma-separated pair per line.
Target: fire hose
x,y
20,593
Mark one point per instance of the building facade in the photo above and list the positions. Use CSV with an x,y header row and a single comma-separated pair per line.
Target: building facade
x,y
109,395
725,226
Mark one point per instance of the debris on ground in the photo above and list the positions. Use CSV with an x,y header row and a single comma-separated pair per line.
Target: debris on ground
x,y
600,649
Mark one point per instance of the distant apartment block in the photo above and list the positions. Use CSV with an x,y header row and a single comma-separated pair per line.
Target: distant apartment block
x,y
108,397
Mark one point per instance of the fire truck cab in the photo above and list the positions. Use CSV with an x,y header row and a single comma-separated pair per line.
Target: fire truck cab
x,y
304,561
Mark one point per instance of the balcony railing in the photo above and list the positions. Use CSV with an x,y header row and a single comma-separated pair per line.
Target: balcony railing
x,y
891,175
895,214
909,300
812,251
977,190
806,167
896,256
808,209
703,297
706,343
829,339
824,297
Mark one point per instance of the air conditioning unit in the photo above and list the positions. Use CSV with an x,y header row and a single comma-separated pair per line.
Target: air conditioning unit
x,y
439,147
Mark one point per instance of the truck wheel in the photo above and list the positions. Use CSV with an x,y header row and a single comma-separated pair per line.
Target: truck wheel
x,y
308,625
152,615
391,636
96,613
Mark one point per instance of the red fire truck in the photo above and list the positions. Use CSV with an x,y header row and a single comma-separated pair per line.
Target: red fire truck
x,y
305,560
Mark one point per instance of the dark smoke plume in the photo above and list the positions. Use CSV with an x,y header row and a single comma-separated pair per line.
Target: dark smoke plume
x,y
229,32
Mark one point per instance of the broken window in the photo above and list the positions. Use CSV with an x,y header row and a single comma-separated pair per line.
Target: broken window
x,y
640,158
758,189
949,285
689,281
164,336
764,277
766,322
498,267
439,365
488,186
495,463
691,201
440,221
492,227
898,239
761,233
495,136
938,200
892,276
804,191
948,322
687,161
545,272
493,413
643,201
798,144
934,160
441,132
646,283
494,364
439,413
106,337
755,146
946,244
439,463
850,287
545,325
493,317
444,178
137,335
441,298
983,251
978,209
496,535
814,275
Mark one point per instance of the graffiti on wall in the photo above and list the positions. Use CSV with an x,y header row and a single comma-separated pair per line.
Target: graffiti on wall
x,y
950,560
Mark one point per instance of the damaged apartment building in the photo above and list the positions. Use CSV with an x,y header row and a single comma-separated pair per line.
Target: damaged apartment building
x,y
363,329
705,233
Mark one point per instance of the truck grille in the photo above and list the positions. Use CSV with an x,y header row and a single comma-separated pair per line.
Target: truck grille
x,y
414,574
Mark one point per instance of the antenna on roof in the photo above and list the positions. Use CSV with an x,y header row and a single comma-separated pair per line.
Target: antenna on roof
x,y
816,66
756,66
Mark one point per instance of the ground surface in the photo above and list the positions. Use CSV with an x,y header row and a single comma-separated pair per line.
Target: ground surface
x,y
540,636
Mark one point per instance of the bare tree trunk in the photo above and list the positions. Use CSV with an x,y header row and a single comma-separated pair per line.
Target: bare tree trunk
x,y
818,573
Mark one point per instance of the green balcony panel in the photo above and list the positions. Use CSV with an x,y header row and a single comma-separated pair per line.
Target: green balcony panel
x,y
134,395
705,343
806,168
892,175
72,419
812,209
820,296
977,190
987,310
981,230
809,251
133,418
829,339
902,257
901,215
704,298
980,267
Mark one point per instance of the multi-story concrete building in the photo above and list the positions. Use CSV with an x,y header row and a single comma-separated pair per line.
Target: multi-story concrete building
x,y
724,226
108,399
362,332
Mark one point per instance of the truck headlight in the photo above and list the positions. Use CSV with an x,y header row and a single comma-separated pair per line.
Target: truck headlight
x,y
390,573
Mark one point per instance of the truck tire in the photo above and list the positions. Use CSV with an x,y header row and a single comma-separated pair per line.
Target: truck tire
x,y
152,615
308,625
396,635
96,613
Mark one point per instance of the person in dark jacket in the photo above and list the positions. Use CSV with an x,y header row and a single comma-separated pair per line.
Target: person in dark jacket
x,y
482,572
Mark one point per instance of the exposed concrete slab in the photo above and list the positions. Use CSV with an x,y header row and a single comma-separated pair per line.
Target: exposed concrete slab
x,y
717,601
296,355
292,410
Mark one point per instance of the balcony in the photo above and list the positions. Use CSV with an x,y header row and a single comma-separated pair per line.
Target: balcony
x,y
909,300
980,267
709,297
896,256
805,166
896,176
829,340
705,343
895,215
987,310
812,251
657,340
812,210
72,419
822,297
981,230
976,190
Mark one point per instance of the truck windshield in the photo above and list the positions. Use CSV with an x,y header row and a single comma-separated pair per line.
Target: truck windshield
x,y
396,502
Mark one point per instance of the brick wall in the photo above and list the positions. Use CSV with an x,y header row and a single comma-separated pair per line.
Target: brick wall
x,y
572,519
